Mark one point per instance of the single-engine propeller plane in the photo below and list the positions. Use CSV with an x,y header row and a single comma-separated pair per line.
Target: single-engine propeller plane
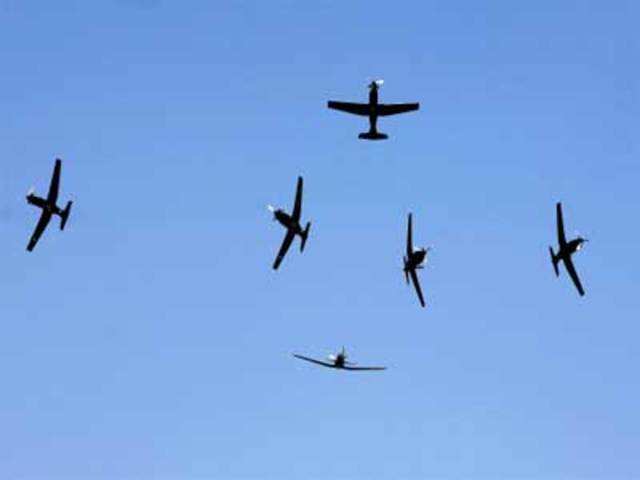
x,y
413,261
292,224
49,206
566,250
373,110
338,361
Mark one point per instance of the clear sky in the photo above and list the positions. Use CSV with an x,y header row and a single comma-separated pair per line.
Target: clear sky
x,y
151,339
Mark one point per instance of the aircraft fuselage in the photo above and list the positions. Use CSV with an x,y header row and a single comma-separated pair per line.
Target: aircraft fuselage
x,y
373,107
571,247
43,204
286,221
416,259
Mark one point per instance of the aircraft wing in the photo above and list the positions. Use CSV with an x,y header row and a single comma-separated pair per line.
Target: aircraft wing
x,y
409,237
40,227
55,182
562,240
364,368
416,283
313,360
568,263
355,108
286,243
395,108
297,206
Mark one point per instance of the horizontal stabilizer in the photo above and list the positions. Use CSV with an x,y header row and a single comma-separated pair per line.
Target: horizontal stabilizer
x,y
554,261
64,216
305,235
373,136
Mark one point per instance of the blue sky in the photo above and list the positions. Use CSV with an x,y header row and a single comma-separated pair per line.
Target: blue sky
x,y
153,340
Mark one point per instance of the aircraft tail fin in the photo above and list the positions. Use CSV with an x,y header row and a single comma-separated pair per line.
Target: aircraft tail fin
x,y
554,261
64,216
373,136
305,235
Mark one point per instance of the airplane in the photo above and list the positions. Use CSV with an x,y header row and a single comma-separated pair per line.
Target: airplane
x,y
373,110
292,224
566,250
338,361
413,261
48,206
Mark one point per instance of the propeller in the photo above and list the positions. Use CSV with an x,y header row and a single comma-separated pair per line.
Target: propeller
x,y
577,233
379,82
271,208
333,357
581,240
31,191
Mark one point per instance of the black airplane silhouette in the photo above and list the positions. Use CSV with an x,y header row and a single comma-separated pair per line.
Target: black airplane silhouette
x,y
373,110
48,206
565,250
338,361
413,261
292,224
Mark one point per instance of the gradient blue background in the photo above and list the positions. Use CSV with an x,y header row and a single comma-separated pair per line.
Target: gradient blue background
x,y
153,340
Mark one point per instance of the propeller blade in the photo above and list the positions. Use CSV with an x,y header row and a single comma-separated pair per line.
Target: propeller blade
x,y
31,191
271,208
377,81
